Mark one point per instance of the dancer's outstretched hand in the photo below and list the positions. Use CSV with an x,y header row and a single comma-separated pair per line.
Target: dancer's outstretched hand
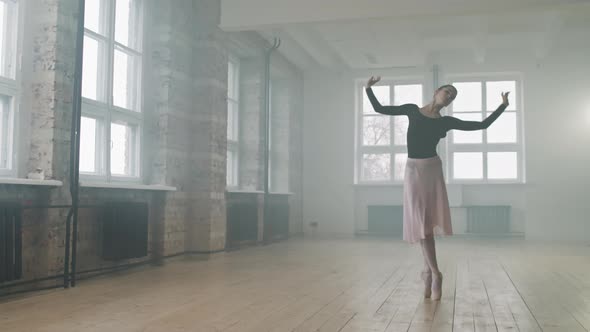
x,y
505,98
373,80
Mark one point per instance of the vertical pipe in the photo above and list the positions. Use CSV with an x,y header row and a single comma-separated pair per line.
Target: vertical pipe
x,y
75,143
66,275
277,43
435,82
435,85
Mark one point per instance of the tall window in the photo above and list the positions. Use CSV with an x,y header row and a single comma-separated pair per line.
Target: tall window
x,y
111,90
381,139
9,85
233,105
495,154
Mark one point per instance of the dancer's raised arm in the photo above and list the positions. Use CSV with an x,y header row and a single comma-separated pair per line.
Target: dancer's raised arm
x,y
454,123
388,110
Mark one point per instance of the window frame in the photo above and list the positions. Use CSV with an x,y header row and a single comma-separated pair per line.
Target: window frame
x,y
485,148
104,109
233,145
392,149
270,143
10,85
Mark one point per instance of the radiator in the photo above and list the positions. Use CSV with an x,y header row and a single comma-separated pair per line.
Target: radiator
x,y
242,219
125,231
276,222
385,219
488,219
10,242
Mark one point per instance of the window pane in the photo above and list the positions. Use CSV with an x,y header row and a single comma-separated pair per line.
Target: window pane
x,y
230,79
468,98
232,121
503,130
8,24
468,165
2,32
127,23
375,167
400,130
376,130
93,17
88,145
494,94
502,165
5,132
124,80
123,151
467,137
408,94
400,165
232,91
382,93
91,80
231,168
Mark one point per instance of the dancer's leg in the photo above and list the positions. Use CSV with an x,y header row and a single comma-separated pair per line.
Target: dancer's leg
x,y
426,274
430,255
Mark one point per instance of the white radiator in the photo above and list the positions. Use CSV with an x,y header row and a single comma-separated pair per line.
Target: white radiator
x,y
488,219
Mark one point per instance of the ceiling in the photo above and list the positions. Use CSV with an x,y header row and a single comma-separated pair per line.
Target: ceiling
x,y
394,33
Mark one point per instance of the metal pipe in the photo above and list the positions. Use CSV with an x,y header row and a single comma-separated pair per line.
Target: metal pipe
x,y
435,82
66,278
29,290
22,283
98,272
267,122
75,142
38,207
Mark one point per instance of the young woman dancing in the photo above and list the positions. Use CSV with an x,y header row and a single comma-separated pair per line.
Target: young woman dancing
x,y
426,204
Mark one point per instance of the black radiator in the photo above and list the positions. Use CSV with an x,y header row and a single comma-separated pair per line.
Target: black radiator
x,y
125,231
10,242
276,223
242,219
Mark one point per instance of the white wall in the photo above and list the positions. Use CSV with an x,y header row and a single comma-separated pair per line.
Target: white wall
x,y
553,204
558,153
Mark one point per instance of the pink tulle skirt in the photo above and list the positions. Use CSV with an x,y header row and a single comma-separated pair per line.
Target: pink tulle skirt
x,y
426,204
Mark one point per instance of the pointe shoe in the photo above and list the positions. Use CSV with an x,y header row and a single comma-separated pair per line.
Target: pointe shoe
x,y
427,277
437,287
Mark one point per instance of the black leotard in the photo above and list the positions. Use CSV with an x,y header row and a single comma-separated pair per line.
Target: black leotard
x,y
425,132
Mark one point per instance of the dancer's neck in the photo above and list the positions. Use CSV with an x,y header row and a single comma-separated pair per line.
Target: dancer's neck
x,y
432,108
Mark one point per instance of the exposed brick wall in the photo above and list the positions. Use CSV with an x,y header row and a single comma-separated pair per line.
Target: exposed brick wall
x,y
184,134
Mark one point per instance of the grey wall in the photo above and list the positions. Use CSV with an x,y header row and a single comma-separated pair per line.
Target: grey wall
x,y
552,205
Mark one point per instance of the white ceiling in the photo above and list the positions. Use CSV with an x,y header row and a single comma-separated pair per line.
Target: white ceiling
x,y
394,33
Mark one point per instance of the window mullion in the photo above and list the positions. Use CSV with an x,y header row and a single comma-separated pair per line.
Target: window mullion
x,y
95,35
110,71
126,49
126,115
391,135
12,39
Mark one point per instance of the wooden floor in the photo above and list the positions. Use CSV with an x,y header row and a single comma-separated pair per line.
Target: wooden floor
x,y
329,285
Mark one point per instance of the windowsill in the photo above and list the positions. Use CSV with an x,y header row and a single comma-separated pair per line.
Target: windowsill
x,y
486,184
239,191
378,184
243,191
127,186
401,184
30,182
